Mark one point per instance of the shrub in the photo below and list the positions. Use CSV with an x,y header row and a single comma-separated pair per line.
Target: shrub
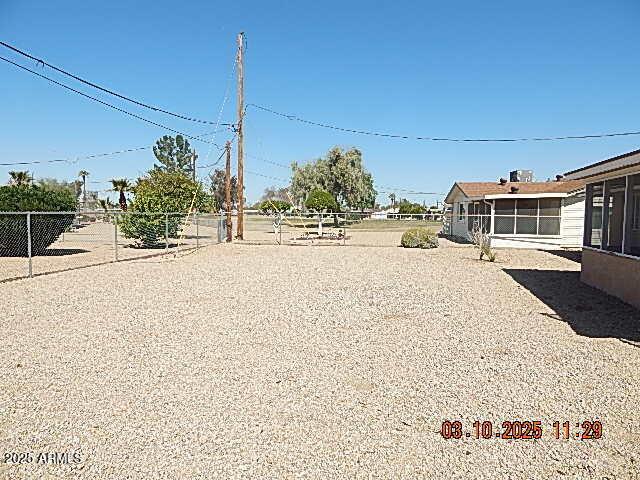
x,y
407,208
160,192
482,241
45,228
419,238
274,206
321,200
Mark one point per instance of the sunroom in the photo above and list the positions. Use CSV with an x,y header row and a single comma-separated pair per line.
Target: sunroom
x,y
544,215
611,251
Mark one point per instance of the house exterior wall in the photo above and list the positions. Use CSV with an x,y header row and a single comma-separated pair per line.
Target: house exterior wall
x,y
459,227
615,274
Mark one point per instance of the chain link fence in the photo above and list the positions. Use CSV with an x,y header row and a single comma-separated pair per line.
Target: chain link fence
x,y
33,243
356,229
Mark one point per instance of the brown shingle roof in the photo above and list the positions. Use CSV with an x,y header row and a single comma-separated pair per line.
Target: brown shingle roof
x,y
479,189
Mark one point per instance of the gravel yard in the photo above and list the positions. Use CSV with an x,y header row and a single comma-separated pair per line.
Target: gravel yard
x,y
244,361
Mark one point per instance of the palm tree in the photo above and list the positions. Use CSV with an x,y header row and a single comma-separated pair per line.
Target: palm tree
x,y
84,174
105,204
19,178
392,197
121,185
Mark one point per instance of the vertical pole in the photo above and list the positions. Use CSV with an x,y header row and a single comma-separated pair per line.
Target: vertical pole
x,y
29,243
115,236
280,226
166,232
193,166
344,231
240,227
588,216
628,215
195,219
227,192
604,235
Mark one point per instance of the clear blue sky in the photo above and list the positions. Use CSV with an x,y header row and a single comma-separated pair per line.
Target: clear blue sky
x,y
456,69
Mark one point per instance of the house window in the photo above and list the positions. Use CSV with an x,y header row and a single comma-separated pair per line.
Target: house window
x,y
614,208
528,216
460,212
636,209
479,216
632,238
593,209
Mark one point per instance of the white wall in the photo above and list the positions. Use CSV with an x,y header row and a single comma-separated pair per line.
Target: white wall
x,y
572,223
459,227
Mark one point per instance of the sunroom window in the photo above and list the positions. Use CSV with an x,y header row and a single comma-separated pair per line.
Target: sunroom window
x,y
527,216
479,215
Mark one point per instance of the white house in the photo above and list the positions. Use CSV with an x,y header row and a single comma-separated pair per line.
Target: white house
x,y
542,215
611,250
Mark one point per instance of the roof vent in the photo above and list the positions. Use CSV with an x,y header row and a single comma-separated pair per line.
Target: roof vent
x,y
503,181
514,189
559,178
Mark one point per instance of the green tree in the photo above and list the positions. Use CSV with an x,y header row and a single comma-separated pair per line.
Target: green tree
x,y
56,185
121,185
175,155
275,193
19,178
217,189
341,173
406,207
155,194
321,201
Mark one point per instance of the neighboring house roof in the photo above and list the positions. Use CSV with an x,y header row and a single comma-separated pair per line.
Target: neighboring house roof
x,y
482,189
624,161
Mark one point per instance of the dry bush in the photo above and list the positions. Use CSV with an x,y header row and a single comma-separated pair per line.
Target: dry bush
x,y
482,241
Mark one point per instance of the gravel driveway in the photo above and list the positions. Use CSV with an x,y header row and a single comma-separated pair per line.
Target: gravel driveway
x,y
243,361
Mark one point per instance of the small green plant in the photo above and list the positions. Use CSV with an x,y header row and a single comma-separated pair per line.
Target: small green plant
x,y
419,237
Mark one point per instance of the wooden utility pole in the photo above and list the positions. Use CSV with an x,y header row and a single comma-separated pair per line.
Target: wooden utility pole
x,y
194,157
227,190
240,228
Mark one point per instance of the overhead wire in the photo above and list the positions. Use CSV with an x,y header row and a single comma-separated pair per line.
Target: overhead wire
x,y
106,103
441,139
106,90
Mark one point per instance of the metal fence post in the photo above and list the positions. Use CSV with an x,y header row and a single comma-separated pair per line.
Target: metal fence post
x,y
195,219
166,232
29,243
115,235
344,232
280,226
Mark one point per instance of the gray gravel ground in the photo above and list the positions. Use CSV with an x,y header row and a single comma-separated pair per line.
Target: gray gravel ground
x,y
316,362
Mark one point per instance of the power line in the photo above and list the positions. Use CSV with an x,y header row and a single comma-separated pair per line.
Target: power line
x,y
442,139
106,104
267,176
89,157
267,161
106,90
73,160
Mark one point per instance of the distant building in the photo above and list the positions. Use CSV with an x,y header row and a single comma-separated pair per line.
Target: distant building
x,y
543,215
